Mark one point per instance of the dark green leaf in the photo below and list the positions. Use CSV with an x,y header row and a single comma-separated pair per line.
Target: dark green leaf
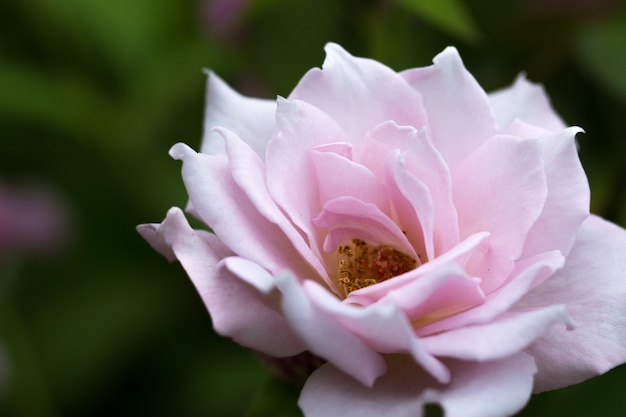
x,y
600,49
450,16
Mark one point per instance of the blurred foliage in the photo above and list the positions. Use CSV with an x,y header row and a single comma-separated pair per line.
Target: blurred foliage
x,y
93,94
449,15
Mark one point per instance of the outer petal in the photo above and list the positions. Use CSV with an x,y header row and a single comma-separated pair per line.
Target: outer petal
x,y
153,234
359,94
251,119
593,286
567,203
247,317
490,389
505,336
249,174
326,338
228,209
511,169
525,101
460,117
382,326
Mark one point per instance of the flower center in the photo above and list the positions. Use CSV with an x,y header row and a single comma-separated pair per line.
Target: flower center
x,y
362,265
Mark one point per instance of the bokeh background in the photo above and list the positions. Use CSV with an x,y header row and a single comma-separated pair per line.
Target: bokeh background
x,y
92,95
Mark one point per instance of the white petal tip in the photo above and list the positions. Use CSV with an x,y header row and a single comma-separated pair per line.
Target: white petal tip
x,y
180,151
334,48
449,56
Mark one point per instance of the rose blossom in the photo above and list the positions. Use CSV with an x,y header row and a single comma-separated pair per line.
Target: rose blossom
x,y
431,242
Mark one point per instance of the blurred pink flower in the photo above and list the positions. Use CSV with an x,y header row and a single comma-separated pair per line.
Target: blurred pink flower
x,y
223,16
431,242
33,220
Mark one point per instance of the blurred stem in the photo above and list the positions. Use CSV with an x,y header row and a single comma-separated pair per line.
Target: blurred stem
x,y
29,394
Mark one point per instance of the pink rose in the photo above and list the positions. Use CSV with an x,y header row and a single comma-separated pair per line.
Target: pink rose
x,y
431,242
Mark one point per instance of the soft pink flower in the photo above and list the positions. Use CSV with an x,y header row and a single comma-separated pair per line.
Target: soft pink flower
x,y
431,242
223,16
33,221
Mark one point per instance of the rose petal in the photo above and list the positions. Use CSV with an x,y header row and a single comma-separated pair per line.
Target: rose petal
x,y
490,265
512,170
248,272
153,234
248,172
406,159
359,94
347,216
439,266
445,298
567,203
508,334
429,297
526,101
460,117
315,327
300,128
338,176
413,206
239,308
528,274
523,129
245,230
593,286
386,138
340,148
426,163
382,326
251,119
489,389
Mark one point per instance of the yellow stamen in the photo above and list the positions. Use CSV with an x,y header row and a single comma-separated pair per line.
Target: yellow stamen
x,y
362,265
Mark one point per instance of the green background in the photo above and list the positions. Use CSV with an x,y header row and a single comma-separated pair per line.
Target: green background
x,y
92,95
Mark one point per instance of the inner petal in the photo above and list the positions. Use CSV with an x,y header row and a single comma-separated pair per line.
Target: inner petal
x,y
338,176
361,239
361,264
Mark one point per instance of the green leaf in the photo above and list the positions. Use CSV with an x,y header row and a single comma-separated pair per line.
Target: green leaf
x,y
124,33
85,332
61,102
450,16
277,399
600,50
